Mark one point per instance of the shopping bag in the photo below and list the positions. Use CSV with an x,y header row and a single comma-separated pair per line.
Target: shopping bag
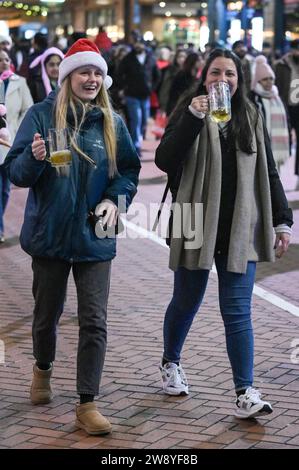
x,y
159,124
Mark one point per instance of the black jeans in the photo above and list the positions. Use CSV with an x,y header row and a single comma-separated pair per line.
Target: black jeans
x,y
92,281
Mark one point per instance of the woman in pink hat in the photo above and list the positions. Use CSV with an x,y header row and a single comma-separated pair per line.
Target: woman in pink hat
x,y
265,95
47,80
58,232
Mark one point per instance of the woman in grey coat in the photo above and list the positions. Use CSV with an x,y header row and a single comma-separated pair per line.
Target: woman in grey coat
x,y
226,174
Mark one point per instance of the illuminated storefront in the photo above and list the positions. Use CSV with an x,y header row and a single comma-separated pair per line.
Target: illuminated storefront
x,y
170,22
246,22
291,15
31,16
181,22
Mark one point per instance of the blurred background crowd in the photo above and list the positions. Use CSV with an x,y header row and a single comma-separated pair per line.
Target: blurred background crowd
x,y
149,77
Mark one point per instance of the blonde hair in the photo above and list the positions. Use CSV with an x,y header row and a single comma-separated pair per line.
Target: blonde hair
x,y
66,99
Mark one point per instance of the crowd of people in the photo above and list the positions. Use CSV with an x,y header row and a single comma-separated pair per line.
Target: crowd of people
x,y
67,87
148,78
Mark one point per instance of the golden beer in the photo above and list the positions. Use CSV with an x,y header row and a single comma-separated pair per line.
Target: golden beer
x,y
61,157
220,115
219,102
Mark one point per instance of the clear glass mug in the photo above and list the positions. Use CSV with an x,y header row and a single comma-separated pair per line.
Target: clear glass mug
x,y
60,155
219,102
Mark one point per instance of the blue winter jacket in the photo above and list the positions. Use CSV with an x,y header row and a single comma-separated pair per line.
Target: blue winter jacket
x,y
55,222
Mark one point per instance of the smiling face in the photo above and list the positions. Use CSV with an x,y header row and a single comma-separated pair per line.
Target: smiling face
x,y
86,82
4,61
267,83
222,69
52,67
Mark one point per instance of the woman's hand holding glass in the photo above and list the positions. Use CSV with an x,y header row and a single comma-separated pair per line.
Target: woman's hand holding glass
x,y
200,103
38,147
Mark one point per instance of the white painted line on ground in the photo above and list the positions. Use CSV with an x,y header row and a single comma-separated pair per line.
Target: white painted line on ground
x,y
144,233
275,300
258,291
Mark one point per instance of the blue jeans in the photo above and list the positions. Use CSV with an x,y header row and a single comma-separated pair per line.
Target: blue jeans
x,y
235,292
138,111
4,195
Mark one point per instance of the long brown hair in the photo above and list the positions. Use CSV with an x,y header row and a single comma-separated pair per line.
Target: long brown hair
x,y
66,101
244,114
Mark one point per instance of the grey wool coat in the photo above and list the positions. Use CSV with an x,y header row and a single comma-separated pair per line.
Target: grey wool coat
x,y
251,236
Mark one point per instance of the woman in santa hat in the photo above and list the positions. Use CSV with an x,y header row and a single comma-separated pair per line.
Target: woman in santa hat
x,y
57,231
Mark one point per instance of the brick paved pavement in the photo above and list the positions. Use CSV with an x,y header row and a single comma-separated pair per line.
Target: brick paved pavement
x,y
131,396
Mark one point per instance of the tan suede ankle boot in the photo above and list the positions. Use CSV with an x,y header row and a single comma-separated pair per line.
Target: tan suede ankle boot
x,y
91,420
41,393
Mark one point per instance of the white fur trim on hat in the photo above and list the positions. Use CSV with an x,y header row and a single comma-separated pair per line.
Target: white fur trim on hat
x,y
4,38
80,59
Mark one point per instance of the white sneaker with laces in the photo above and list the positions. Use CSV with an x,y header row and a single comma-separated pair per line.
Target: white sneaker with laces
x,y
250,405
174,379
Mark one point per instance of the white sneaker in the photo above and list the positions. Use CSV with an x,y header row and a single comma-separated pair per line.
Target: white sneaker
x,y
174,379
250,405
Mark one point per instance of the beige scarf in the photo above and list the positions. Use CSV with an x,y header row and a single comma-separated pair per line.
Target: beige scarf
x,y
276,122
251,236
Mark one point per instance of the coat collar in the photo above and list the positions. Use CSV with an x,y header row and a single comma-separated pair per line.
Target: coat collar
x,y
13,84
14,78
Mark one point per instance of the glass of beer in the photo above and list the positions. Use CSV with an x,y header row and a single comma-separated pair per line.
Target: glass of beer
x,y
219,102
59,150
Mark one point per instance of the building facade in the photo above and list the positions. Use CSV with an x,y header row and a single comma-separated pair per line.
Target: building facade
x,y
169,22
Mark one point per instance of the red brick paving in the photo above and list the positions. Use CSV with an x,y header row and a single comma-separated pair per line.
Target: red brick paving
x,y
130,393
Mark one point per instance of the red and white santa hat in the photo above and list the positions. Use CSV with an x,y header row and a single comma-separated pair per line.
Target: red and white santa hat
x,y
83,52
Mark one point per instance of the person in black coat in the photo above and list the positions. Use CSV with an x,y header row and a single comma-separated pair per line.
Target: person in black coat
x,y
228,197
183,80
138,76
168,75
287,77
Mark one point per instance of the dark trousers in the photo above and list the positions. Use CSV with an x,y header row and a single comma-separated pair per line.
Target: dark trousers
x,y
92,281
4,195
294,120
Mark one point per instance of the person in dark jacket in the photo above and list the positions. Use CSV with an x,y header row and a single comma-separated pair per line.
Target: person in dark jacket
x,y
46,80
228,196
184,80
168,75
57,232
287,79
240,49
138,76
